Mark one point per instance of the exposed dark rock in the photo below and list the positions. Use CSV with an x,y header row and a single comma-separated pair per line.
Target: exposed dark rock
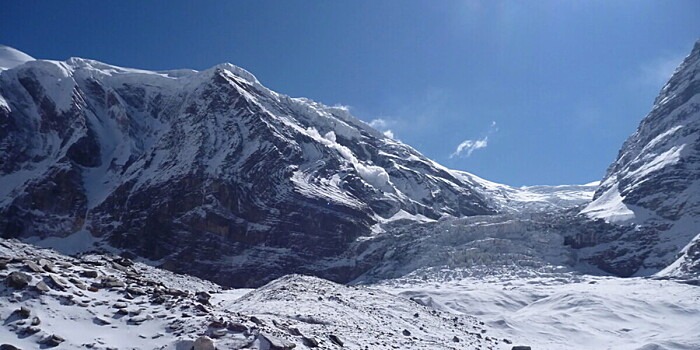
x,y
217,333
3,262
112,282
53,340
203,297
47,265
18,279
236,327
22,312
275,343
202,309
293,331
77,283
257,321
309,342
89,273
26,331
32,266
135,291
335,339
217,324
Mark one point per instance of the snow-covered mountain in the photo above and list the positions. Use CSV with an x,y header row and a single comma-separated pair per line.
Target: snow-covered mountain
x,y
11,57
212,174
653,188
205,172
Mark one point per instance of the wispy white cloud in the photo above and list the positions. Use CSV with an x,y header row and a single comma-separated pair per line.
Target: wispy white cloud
x,y
379,123
383,125
467,147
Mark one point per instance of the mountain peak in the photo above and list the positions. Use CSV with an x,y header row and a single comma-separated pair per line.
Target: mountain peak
x,y
11,57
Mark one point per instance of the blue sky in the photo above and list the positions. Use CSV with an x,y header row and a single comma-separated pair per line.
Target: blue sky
x,y
537,92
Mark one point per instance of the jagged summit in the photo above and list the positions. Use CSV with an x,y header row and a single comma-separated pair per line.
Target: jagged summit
x,y
655,181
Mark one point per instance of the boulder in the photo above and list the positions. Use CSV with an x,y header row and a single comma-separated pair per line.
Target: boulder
x,y
58,282
33,266
22,312
334,338
42,287
4,261
30,330
18,279
521,347
53,340
100,321
309,342
120,305
236,327
203,297
89,273
139,319
275,343
217,333
47,265
78,283
203,343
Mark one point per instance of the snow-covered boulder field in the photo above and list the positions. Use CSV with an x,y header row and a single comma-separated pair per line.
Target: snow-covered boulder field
x,y
108,302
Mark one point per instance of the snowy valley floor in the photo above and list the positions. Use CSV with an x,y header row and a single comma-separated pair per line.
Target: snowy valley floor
x,y
563,311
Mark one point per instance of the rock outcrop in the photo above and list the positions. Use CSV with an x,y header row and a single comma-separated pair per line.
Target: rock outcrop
x,y
653,187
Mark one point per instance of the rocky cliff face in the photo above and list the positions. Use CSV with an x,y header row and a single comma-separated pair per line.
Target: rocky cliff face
x,y
207,173
653,188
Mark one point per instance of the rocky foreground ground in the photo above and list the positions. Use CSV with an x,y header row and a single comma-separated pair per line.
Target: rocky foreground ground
x,y
109,302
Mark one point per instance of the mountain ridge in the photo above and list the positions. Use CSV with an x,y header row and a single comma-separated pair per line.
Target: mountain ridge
x,y
89,146
654,184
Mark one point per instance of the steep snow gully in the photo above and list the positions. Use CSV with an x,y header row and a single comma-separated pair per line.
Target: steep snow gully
x,y
132,200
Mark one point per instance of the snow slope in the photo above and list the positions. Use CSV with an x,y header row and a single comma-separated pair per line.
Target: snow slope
x,y
568,311
10,57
